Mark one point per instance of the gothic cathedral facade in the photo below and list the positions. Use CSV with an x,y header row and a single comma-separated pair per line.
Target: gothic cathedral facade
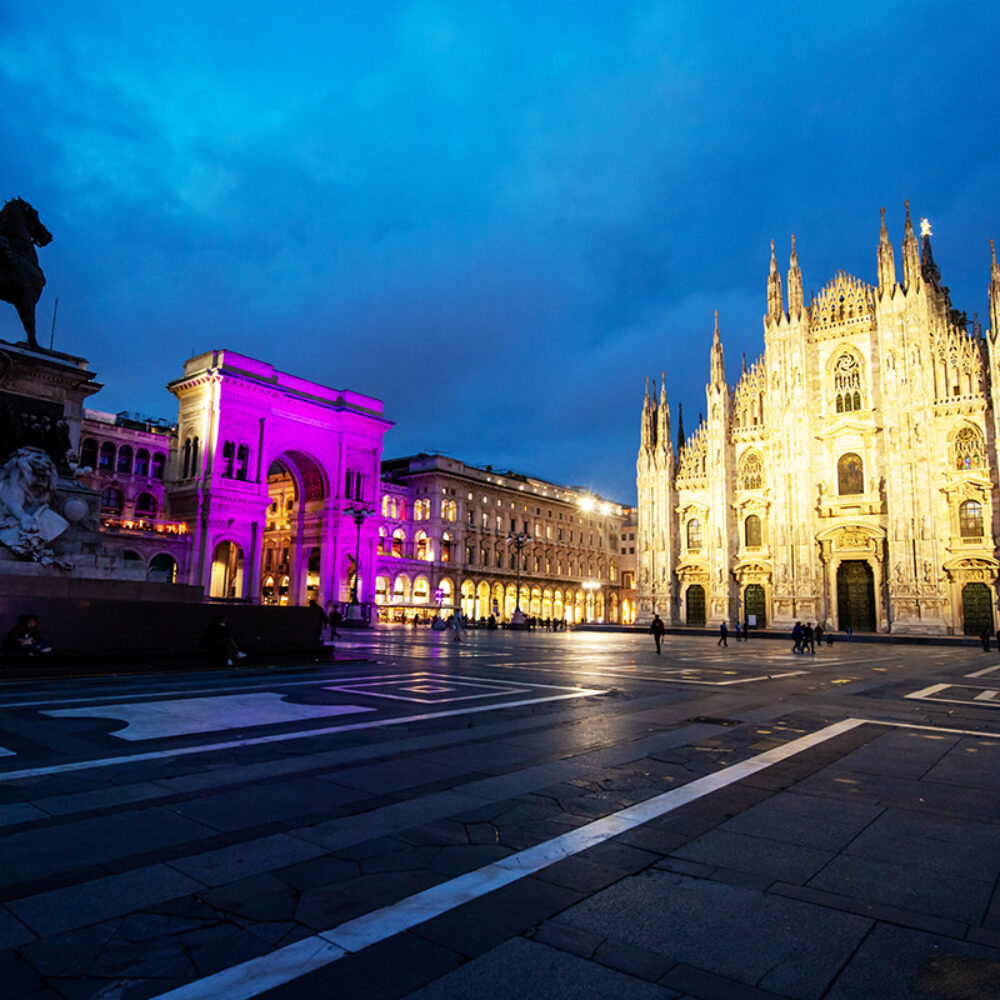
x,y
850,478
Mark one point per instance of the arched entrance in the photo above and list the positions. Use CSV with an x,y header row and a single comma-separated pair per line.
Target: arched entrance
x,y
977,609
694,605
227,571
855,596
755,605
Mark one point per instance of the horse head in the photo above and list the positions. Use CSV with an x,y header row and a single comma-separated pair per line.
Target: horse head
x,y
17,210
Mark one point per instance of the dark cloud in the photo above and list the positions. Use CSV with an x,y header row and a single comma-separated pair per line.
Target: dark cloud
x,y
497,217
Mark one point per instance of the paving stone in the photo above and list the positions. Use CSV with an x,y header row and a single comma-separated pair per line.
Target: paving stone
x,y
408,859
69,954
12,813
324,908
530,970
260,897
906,887
457,860
320,872
251,858
72,845
805,820
477,926
12,931
709,986
615,854
440,832
90,902
914,970
680,918
252,805
776,860
385,971
579,874
99,798
225,950
397,775
18,975
564,938
632,960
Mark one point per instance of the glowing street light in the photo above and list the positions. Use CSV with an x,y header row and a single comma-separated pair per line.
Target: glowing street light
x,y
360,512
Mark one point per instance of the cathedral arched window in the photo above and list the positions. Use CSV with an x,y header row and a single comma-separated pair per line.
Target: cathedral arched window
x,y
228,458
751,474
970,452
752,532
970,519
847,383
694,534
850,475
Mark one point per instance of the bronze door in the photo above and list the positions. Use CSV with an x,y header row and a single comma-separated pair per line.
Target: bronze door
x,y
977,608
856,596
755,603
695,602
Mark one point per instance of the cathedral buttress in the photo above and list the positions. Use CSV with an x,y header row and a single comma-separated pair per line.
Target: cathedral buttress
x,y
721,520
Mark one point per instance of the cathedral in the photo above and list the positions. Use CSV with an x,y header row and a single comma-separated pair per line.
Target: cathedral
x,y
849,478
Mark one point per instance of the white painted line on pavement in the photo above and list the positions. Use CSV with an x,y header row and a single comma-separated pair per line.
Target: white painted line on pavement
x,y
984,700
249,979
86,765
983,673
928,691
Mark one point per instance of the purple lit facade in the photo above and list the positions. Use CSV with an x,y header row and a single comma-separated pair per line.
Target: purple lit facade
x,y
267,474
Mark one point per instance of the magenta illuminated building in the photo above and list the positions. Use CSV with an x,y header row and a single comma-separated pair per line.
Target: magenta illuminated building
x,y
266,474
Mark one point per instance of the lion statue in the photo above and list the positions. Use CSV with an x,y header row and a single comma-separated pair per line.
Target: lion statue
x,y
27,522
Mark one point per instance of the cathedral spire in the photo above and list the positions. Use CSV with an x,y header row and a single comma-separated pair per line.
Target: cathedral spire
x,y
718,363
928,268
647,405
680,427
886,259
911,253
994,293
775,300
663,422
795,298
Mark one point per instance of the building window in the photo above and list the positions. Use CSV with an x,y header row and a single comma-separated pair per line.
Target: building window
x,y
847,383
242,461
694,534
88,453
970,452
111,500
751,474
446,547
106,462
159,464
124,466
141,467
145,505
850,475
752,532
970,519
228,459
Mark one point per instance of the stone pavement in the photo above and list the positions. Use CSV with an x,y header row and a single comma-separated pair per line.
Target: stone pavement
x,y
516,815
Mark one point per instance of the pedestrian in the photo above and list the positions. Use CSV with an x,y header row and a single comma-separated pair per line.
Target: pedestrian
x,y
797,636
829,639
985,640
335,619
220,638
736,629
25,638
723,632
819,634
808,639
746,629
320,619
456,625
657,628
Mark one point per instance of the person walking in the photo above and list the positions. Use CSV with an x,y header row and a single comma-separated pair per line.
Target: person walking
x,y
984,638
797,636
723,632
809,639
657,628
457,625
220,638
819,634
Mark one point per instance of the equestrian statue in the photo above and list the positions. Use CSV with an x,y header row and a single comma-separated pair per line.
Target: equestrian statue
x,y
21,279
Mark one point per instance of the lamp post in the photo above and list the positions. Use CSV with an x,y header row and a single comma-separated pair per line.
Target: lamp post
x,y
518,539
360,512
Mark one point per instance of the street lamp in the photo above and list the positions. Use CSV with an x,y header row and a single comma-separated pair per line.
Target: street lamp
x,y
518,539
360,512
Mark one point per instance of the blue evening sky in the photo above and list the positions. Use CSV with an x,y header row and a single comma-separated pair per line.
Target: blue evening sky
x,y
498,217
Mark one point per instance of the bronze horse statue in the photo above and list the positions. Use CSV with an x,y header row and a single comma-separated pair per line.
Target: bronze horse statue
x,y
21,279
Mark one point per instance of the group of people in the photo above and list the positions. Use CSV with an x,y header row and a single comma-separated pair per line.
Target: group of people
x,y
805,637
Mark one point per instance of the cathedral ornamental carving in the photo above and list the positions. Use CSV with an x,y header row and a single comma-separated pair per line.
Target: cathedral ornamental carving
x,y
849,476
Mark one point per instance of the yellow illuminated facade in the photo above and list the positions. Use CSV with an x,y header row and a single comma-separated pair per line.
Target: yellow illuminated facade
x,y
850,477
